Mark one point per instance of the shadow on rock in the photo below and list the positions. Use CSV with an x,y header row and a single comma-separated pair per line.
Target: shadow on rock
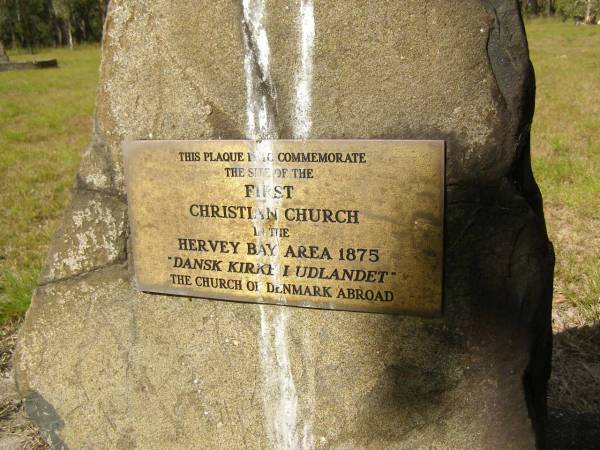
x,y
47,419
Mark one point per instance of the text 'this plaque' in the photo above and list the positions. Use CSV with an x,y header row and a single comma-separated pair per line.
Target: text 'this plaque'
x,y
336,224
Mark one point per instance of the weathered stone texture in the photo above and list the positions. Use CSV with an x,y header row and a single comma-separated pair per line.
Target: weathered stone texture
x,y
122,369
92,236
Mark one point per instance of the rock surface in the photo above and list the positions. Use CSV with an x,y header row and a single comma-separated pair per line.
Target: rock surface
x,y
104,366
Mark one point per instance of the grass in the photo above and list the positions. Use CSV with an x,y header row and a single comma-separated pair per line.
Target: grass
x,y
45,122
566,159
566,163
566,127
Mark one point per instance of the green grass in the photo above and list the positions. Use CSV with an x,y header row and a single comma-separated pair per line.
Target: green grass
x,y
566,128
45,122
566,154
16,292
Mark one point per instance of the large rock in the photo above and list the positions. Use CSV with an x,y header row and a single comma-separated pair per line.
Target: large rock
x,y
105,366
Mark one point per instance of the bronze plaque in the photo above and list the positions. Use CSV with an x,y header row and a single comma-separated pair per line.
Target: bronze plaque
x,y
337,224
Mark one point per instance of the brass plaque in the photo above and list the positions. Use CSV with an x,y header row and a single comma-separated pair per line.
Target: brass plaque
x,y
337,224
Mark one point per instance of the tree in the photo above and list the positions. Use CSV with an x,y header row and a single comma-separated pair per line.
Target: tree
x,y
533,7
590,17
34,23
3,55
63,12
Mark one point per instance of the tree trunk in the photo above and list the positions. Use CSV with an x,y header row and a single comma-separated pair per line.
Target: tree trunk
x,y
101,15
533,7
59,35
549,7
19,23
59,28
3,55
70,33
103,6
589,17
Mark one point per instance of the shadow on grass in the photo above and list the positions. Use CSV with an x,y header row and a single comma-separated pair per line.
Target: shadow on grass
x,y
574,401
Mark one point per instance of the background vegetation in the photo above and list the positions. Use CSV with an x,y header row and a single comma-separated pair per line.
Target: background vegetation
x,y
583,9
44,23
36,23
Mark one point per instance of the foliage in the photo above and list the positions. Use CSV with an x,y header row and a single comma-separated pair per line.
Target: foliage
x,y
567,9
574,8
36,23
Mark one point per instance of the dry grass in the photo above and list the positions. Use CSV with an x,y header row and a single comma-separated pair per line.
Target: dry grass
x,y
566,162
577,284
8,339
15,427
575,382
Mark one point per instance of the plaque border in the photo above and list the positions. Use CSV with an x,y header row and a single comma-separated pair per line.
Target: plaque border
x,y
130,146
